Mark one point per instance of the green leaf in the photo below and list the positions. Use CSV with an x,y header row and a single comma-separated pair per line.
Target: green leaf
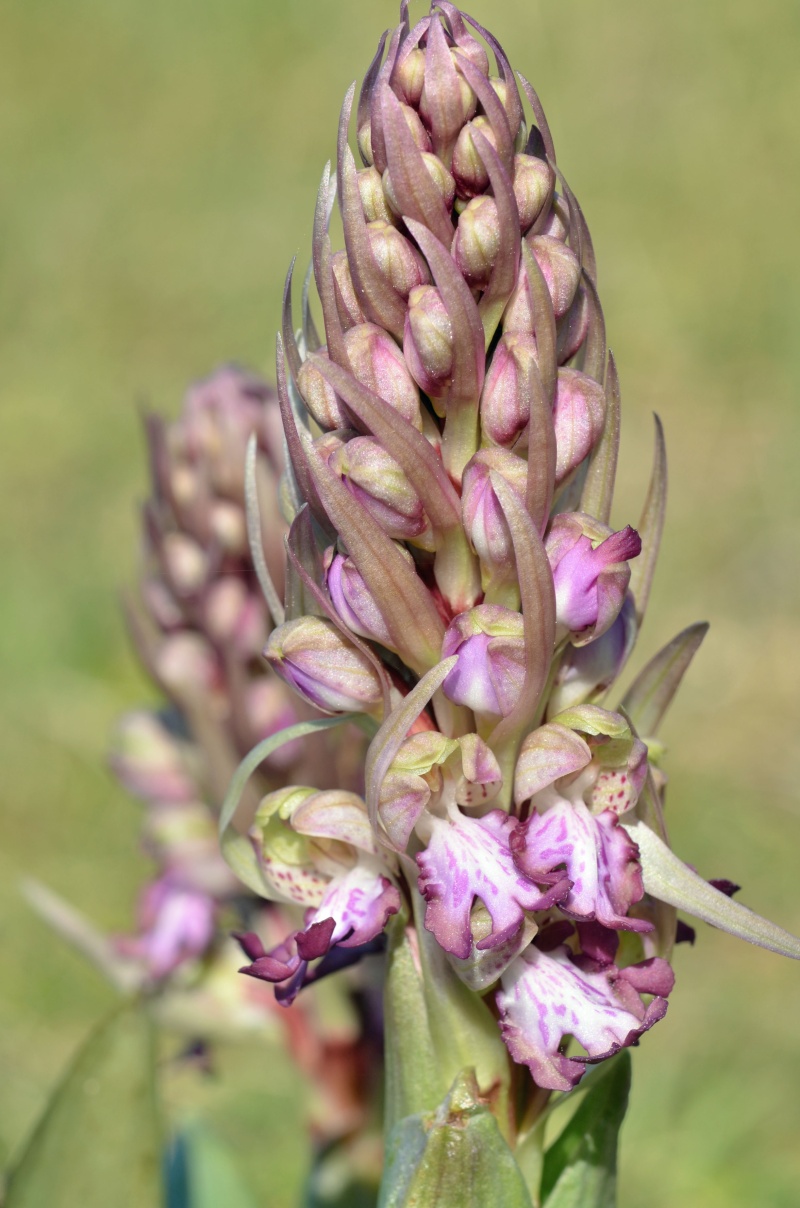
x,y
580,1167
454,1157
98,1143
202,1173
236,847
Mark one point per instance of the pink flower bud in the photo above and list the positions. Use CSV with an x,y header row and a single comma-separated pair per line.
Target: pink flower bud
x,y
477,240
314,658
373,198
234,617
590,573
347,303
228,526
186,663
352,599
150,761
428,340
377,481
438,174
556,225
185,564
469,173
268,710
484,520
446,101
378,363
409,76
397,258
578,417
505,402
531,185
560,268
572,327
488,676
320,397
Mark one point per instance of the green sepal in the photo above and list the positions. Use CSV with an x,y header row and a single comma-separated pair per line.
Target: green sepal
x,y
98,1142
236,847
580,1167
453,1157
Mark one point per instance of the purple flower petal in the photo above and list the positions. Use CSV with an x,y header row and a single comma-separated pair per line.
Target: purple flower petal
x,y
546,997
468,858
598,855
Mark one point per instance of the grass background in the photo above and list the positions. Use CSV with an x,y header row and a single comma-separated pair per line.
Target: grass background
x,y
160,163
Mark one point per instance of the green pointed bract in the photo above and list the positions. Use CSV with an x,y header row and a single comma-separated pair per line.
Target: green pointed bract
x,y
654,688
667,878
454,1157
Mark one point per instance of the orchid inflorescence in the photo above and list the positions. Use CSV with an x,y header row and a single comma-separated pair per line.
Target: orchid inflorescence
x,y
453,582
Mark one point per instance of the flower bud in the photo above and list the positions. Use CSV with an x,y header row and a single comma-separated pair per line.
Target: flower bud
x,y
185,564
585,672
162,605
468,169
314,658
228,526
373,198
428,340
320,397
446,101
268,711
556,225
176,925
590,573
186,662
438,174
409,76
488,676
477,240
578,417
378,363
484,520
149,760
560,268
347,303
234,617
352,600
505,401
374,477
397,258
531,185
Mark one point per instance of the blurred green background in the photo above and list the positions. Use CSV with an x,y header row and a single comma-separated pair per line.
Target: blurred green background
x,y
159,166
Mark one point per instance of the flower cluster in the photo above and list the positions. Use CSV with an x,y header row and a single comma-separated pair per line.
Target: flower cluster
x,y
452,445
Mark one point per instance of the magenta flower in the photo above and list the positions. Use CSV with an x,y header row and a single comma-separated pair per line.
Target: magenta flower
x,y
590,574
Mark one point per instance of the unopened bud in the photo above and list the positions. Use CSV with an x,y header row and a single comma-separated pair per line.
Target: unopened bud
x,y
409,76
149,760
505,401
268,711
428,340
468,168
374,477
378,363
314,658
590,573
585,672
186,662
185,564
531,185
556,225
352,599
445,105
560,268
235,617
162,605
484,519
488,676
347,302
438,174
397,258
578,419
228,526
373,198
572,328
320,397
477,240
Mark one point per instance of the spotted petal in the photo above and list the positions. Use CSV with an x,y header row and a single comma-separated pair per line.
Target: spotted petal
x,y
546,997
468,858
599,858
